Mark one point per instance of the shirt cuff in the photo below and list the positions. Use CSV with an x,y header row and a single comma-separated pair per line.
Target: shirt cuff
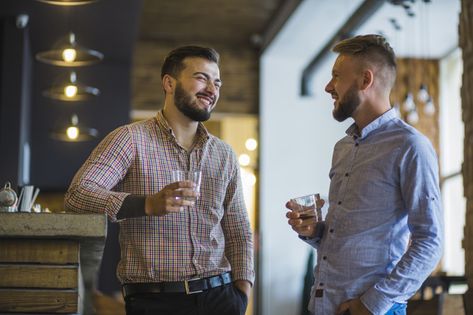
x,y
319,232
376,302
243,275
133,206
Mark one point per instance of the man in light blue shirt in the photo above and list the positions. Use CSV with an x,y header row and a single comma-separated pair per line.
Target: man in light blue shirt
x,y
383,233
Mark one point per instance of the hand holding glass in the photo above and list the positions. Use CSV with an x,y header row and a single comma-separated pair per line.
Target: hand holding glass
x,y
309,206
193,176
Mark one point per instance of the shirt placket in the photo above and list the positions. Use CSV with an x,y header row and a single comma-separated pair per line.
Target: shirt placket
x,y
331,233
194,215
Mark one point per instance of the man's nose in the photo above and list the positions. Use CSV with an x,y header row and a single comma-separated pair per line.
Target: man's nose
x,y
328,87
212,87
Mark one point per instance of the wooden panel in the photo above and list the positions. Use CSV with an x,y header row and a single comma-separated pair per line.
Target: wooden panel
x,y
33,276
466,45
39,251
411,73
36,301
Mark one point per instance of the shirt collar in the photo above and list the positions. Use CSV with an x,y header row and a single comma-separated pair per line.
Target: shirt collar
x,y
202,134
372,126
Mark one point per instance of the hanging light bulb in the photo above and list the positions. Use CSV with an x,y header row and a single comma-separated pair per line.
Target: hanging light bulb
x,y
423,94
74,132
409,104
71,91
67,53
429,107
413,117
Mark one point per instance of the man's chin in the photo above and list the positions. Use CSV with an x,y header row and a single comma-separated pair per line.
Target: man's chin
x,y
339,116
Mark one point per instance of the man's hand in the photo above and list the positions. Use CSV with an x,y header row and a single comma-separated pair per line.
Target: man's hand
x,y
304,227
244,286
355,306
170,198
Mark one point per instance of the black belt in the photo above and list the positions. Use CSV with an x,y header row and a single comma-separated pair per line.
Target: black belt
x,y
188,286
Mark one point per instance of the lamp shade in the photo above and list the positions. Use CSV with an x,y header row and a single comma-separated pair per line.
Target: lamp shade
x,y
75,132
68,53
71,90
67,2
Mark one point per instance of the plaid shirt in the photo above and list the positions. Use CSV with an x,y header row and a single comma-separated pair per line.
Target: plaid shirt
x,y
212,237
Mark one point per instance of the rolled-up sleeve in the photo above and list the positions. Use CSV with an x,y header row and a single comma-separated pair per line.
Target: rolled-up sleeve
x,y
91,189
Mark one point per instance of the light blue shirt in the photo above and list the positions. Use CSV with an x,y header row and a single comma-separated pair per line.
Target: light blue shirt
x,y
384,191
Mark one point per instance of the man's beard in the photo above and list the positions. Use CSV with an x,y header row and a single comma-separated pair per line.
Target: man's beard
x,y
188,107
347,105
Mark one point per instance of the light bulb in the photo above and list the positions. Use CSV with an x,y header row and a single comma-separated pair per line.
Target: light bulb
x,y
72,132
409,104
429,107
244,159
69,54
251,144
423,94
413,117
70,91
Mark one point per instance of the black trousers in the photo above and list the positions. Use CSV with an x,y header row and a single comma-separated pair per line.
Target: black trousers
x,y
226,299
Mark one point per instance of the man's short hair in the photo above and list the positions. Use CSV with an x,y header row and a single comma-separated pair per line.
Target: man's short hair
x,y
173,63
372,49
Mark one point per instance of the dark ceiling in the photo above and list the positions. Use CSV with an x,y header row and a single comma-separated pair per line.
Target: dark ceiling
x,y
232,23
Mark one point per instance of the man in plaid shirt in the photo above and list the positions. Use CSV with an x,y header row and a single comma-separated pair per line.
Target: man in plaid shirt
x,y
173,261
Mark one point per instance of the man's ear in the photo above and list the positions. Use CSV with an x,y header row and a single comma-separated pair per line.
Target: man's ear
x,y
368,79
168,83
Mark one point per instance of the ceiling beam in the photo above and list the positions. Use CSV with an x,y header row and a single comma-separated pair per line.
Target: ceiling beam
x,y
276,22
357,19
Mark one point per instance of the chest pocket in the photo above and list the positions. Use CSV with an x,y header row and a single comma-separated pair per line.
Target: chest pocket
x,y
212,192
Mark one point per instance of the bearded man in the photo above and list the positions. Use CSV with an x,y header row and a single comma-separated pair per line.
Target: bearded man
x,y
383,234
178,255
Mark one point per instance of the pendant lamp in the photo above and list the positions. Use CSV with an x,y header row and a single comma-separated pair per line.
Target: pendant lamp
x,y
67,2
74,132
71,90
68,53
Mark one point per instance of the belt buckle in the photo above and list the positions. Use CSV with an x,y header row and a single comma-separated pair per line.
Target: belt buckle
x,y
186,286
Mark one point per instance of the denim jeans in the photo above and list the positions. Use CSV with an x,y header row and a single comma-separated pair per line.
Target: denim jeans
x,y
397,309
